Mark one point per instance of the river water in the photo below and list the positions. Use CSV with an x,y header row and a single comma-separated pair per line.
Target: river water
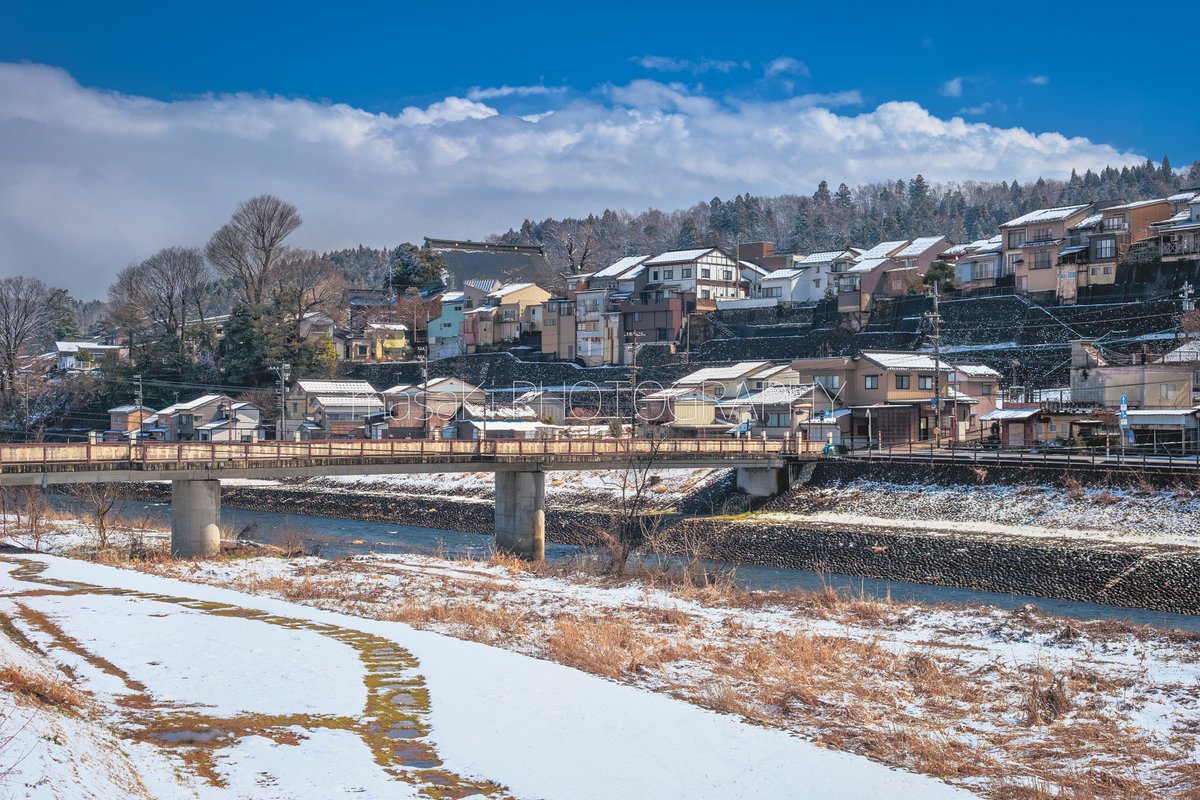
x,y
339,537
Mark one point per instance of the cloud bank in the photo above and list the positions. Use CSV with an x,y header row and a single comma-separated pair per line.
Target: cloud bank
x,y
92,180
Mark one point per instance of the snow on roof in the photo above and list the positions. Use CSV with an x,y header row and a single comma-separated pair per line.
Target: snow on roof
x,y
335,387
1090,221
75,347
620,266
977,370
1181,216
505,425
509,288
753,267
482,284
202,400
1010,413
128,409
717,374
512,411
346,401
784,274
773,371
884,249
1185,353
772,395
1047,215
387,326
480,309
826,256
918,246
1137,204
868,264
1184,196
676,256
906,361
452,297
676,392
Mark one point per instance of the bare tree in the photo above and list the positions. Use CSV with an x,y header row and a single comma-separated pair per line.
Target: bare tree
x,y
23,313
634,519
163,290
246,249
302,282
101,501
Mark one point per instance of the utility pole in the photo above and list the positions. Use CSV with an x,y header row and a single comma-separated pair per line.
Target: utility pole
x,y
138,397
1187,293
633,336
283,370
936,318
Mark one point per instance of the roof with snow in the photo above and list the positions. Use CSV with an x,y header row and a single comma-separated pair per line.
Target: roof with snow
x,y
884,249
514,411
1184,196
452,297
868,264
919,246
1137,204
773,395
364,402
1184,354
784,274
678,256
335,387
510,288
128,409
826,256
485,285
977,371
1010,413
719,374
505,425
1090,221
619,267
1056,214
75,347
915,361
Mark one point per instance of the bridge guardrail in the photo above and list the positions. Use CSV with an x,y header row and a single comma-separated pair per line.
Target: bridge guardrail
x,y
140,455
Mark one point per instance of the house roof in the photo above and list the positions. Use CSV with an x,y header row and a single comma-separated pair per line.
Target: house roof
x,y
1136,204
619,267
784,274
826,256
1174,219
718,374
344,401
485,285
335,387
1185,196
678,256
750,265
1010,413
506,425
1184,354
513,411
772,395
387,326
448,384
128,409
884,249
452,297
866,265
195,403
401,388
919,246
1090,221
916,361
675,392
75,347
1055,214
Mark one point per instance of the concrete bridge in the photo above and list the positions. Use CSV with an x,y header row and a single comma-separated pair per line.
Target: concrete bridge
x,y
195,470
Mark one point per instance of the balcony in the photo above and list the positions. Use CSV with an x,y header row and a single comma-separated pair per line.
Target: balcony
x,y
1181,249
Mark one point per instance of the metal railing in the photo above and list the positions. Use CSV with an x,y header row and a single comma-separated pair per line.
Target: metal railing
x,y
25,458
1131,457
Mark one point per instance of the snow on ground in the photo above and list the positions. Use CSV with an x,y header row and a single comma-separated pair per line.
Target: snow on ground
x,y
1118,515
669,485
1115,709
538,728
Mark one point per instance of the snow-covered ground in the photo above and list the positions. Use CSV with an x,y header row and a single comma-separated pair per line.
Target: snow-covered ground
x,y
668,485
994,701
1117,515
200,691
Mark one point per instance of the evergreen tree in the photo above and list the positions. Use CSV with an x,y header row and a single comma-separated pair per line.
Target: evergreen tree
x,y
689,235
414,266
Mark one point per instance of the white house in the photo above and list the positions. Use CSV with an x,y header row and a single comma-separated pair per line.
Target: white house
x,y
709,272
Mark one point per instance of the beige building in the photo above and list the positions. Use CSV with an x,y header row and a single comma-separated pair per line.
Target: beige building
x,y
1101,379
1032,244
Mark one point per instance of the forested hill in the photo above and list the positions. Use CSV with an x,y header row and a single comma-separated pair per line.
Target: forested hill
x,y
835,218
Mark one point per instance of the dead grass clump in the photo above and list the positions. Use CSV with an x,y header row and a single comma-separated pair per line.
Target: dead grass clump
x,y
516,563
1073,487
44,689
462,617
723,698
1047,697
610,647
1105,498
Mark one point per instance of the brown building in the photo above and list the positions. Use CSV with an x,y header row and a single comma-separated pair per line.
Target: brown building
x,y
1032,245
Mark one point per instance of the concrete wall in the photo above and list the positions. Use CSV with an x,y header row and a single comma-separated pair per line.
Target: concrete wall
x,y
521,514
195,518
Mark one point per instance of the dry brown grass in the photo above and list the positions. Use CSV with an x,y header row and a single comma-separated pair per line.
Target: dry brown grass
x,y
42,689
1047,697
610,646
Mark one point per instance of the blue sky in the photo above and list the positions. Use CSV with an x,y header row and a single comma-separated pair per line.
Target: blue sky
x,y
387,122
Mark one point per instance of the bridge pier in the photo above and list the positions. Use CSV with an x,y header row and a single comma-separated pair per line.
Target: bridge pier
x,y
521,514
195,516
763,481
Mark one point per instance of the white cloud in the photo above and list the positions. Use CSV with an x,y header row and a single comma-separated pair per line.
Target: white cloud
x,y
696,66
491,92
92,180
975,111
1038,80
952,88
785,65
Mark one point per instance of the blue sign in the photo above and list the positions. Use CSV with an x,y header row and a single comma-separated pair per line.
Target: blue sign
x,y
1124,400
933,401
1124,414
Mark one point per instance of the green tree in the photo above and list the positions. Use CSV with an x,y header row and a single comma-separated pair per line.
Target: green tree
x,y
941,273
414,266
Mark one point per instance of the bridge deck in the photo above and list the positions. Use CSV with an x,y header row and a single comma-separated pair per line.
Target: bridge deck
x,y
146,461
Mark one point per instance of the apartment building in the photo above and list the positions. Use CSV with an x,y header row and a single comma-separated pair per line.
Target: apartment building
x,y
1032,245
980,263
1178,236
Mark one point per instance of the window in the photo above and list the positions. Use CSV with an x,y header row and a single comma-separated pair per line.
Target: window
x,y
902,382
817,283
727,275
772,291
551,322
686,272
924,381
1013,260
870,381
706,294
668,274
1108,270
654,275
1042,234
1106,248
779,420
1167,391
1053,427
705,272
986,389
1114,223
1016,238
637,316
1095,270
832,382
1041,259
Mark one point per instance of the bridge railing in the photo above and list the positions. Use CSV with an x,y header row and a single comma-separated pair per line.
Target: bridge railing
x,y
160,455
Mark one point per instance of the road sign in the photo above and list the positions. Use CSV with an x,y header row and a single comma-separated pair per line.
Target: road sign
x,y
933,401
1124,402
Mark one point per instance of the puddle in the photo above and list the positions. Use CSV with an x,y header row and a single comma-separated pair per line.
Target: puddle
x,y
392,723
